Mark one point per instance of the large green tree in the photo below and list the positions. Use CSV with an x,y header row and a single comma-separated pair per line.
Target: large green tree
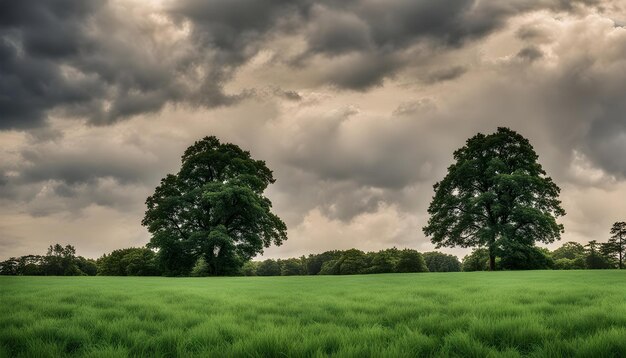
x,y
618,241
213,208
496,195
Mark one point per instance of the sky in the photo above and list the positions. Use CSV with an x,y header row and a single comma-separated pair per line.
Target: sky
x,y
355,105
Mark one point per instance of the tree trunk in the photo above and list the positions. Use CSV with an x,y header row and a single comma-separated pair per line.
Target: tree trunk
x,y
621,262
492,258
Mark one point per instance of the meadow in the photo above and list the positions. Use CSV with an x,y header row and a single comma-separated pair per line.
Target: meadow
x,y
467,314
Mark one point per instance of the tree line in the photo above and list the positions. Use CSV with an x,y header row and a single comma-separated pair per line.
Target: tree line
x,y
58,261
62,261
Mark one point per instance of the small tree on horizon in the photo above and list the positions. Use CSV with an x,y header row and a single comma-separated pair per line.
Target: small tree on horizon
x,y
496,195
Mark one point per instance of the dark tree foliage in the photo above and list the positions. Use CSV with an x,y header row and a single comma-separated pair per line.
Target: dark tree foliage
x,y
478,260
87,266
32,265
250,268
292,267
410,261
352,262
383,261
213,208
618,242
330,268
315,261
134,261
59,261
516,256
9,267
496,195
62,261
570,264
200,269
595,258
268,267
348,262
439,262
570,256
570,250
608,251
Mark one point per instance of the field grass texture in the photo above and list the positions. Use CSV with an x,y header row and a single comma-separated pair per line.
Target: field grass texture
x,y
466,314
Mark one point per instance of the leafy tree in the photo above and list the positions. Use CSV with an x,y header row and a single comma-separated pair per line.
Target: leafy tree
x,y
315,261
618,241
250,268
291,267
31,265
383,261
268,267
140,262
9,267
213,208
495,194
410,261
608,251
570,264
439,262
87,266
570,250
516,256
478,260
61,261
330,268
595,259
132,261
111,264
352,262
200,269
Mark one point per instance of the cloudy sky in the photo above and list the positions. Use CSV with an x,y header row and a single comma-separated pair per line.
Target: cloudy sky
x,y
355,105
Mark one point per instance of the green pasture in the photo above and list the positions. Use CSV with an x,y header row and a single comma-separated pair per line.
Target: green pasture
x,y
465,314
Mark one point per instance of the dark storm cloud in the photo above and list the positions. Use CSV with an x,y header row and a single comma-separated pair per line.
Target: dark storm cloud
x,y
93,60
87,59
35,38
359,43
606,139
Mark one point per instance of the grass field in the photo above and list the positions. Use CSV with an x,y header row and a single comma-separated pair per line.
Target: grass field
x,y
540,313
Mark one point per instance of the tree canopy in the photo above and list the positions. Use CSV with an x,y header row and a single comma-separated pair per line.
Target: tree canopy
x,y
496,195
134,261
213,208
440,262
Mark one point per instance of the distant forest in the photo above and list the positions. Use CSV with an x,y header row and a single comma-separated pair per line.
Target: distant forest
x,y
63,261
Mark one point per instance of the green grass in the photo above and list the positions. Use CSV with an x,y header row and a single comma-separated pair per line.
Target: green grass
x,y
540,313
